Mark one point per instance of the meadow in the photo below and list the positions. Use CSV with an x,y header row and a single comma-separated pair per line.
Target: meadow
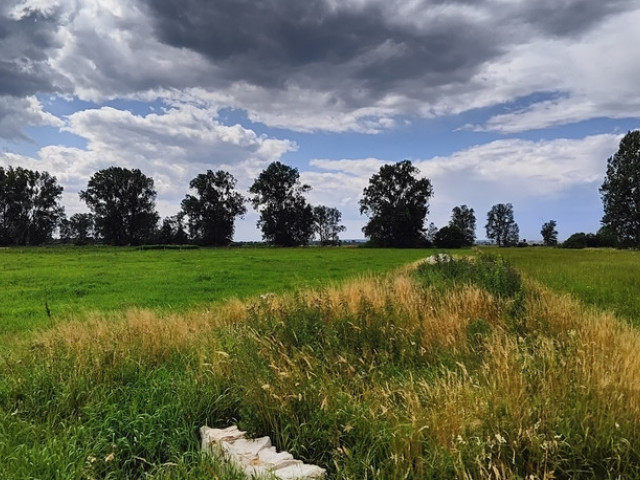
x,y
72,282
463,369
603,277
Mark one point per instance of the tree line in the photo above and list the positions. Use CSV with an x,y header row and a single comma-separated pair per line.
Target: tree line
x,y
396,201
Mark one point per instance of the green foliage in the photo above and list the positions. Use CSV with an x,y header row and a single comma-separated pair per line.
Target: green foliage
x,y
450,237
211,214
397,204
620,191
464,218
172,231
589,240
326,224
549,233
491,273
123,204
78,229
286,219
29,206
501,225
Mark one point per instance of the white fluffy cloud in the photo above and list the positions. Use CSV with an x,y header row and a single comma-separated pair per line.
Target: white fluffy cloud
x,y
521,172
172,147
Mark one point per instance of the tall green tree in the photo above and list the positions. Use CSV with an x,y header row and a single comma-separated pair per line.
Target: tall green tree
x,y
549,233
620,192
397,203
450,236
212,212
326,224
501,225
79,229
29,206
464,218
123,204
172,231
286,219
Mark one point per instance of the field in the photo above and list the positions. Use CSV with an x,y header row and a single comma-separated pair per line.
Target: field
x,y
605,278
73,282
463,369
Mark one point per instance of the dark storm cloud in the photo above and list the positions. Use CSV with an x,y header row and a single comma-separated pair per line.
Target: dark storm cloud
x,y
271,42
369,49
25,45
570,17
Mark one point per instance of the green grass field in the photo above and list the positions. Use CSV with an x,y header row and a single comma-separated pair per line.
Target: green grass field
x,y
454,370
75,281
605,278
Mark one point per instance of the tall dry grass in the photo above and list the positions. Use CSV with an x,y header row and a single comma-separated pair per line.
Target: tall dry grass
x,y
444,373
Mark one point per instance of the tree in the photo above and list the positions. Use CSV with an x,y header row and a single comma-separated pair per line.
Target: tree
x,y
464,218
501,226
211,214
29,208
123,204
450,236
326,223
172,231
78,229
621,191
397,204
549,233
430,234
286,219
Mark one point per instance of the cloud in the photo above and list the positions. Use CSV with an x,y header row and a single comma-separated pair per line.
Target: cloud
x,y
15,113
593,77
531,175
172,147
325,65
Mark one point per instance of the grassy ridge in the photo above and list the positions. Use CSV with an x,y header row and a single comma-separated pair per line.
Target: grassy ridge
x,y
74,281
456,370
606,278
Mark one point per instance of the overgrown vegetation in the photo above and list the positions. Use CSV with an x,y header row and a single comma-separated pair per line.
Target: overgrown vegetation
x,y
452,370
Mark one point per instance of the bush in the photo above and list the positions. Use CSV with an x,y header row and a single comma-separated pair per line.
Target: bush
x,y
492,273
450,237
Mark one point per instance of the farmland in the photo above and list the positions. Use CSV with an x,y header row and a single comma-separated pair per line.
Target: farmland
x,y
76,281
454,370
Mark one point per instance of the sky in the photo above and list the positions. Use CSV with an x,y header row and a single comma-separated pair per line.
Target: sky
x,y
495,101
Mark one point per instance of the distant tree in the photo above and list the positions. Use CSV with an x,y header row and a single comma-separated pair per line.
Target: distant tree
x,y
78,229
606,238
621,192
549,233
123,204
212,212
577,240
172,231
29,208
286,219
397,204
450,236
501,226
430,235
603,238
464,218
326,224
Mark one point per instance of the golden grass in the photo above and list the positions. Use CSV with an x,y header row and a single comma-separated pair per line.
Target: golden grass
x,y
573,373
